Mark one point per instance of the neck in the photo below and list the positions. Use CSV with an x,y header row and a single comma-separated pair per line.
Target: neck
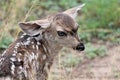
x,y
52,46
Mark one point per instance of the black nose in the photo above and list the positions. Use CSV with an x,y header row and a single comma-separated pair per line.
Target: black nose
x,y
80,47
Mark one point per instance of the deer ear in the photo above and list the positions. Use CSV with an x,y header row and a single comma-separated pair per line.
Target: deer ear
x,y
34,27
74,11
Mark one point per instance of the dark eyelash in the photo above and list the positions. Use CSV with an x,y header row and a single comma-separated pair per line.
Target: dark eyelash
x,y
72,33
74,30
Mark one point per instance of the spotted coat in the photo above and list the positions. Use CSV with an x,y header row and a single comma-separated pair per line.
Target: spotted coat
x,y
31,55
26,59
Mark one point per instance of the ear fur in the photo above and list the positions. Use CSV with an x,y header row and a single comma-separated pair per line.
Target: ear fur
x,y
34,27
74,11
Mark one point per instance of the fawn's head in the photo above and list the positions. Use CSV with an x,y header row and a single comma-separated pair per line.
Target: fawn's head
x,y
60,29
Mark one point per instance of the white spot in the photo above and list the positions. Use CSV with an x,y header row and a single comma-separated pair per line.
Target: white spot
x,y
37,47
38,43
20,67
20,54
27,43
25,72
13,54
14,51
44,48
21,43
17,45
33,46
32,56
36,56
28,39
4,52
44,57
12,68
12,59
32,42
19,59
1,60
23,35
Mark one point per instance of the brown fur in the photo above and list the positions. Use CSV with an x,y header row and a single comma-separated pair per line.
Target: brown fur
x,y
31,55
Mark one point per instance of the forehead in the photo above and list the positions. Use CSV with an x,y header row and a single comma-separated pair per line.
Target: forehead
x,y
65,22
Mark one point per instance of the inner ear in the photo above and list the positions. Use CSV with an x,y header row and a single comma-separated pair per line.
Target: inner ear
x,y
30,28
35,26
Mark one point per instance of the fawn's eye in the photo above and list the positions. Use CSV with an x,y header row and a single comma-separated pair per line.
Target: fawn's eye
x,y
61,33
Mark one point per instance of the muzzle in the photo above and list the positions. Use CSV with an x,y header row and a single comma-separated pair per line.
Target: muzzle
x,y
80,47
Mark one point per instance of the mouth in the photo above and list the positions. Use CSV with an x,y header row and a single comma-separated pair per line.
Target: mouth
x,y
78,49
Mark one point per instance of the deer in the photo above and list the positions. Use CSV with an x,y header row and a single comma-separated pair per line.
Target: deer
x,y
31,55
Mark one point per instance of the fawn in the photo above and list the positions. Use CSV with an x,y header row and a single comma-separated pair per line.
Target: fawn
x,y
31,55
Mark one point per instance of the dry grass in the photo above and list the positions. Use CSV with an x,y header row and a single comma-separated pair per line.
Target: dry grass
x,y
10,15
100,68
9,18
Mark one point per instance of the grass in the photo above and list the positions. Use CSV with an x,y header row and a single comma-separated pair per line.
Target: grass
x,y
93,51
70,61
99,19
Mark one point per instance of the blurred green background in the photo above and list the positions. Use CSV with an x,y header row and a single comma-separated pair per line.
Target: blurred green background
x,y
99,24
99,20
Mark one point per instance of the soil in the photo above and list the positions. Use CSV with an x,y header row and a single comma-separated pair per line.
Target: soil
x,y
100,68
